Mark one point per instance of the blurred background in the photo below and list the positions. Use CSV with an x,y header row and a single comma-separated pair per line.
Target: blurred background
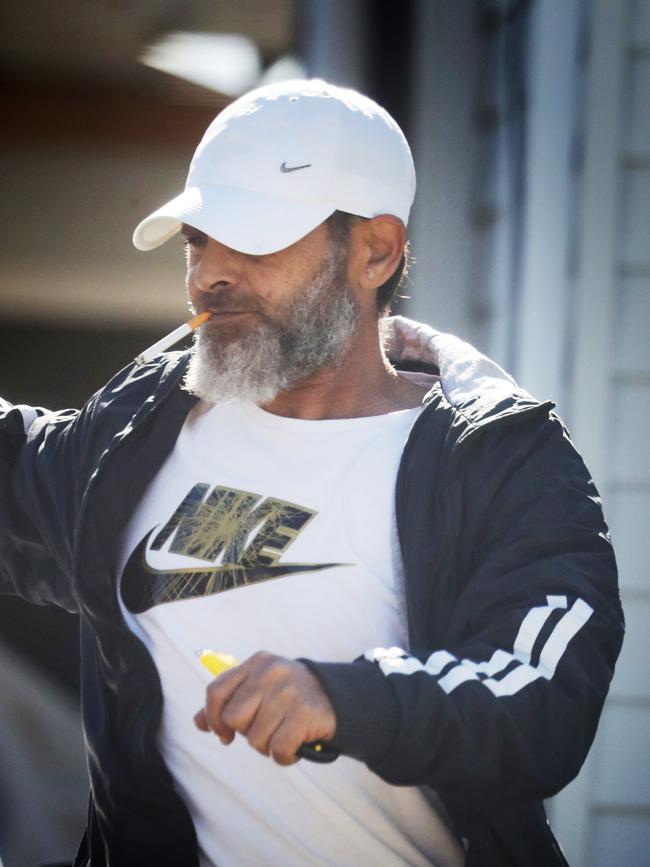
x,y
530,126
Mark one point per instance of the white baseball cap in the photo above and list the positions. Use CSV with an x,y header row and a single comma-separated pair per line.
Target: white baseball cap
x,y
281,159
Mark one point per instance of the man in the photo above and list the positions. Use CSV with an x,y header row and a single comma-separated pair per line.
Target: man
x,y
423,557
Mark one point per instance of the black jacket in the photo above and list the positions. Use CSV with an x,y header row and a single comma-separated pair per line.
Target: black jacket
x,y
499,526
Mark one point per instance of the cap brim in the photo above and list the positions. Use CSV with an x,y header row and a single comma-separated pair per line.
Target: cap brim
x,y
247,221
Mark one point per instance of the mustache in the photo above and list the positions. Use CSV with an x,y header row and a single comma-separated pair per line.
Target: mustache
x,y
228,300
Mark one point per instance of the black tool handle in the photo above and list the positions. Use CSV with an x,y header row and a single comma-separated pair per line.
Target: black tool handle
x,y
317,751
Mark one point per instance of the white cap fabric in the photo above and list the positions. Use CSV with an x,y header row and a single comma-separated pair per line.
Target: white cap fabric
x,y
281,159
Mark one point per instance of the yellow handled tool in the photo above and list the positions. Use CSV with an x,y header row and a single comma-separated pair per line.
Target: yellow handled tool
x,y
217,663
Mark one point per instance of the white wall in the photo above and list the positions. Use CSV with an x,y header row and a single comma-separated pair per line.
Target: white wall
x,y
603,818
444,148
571,316
619,820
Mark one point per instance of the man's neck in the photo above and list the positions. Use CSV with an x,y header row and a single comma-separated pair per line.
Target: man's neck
x,y
362,383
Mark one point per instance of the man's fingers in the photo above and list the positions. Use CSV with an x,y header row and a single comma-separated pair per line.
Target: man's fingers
x,y
266,721
201,721
217,695
285,742
276,703
239,711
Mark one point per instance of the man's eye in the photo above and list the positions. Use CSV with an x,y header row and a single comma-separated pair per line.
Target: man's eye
x,y
193,241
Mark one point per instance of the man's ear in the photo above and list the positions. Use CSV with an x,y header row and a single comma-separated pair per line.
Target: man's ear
x,y
380,250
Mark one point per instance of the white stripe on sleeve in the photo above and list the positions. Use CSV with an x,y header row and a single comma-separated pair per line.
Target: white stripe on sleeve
x,y
394,660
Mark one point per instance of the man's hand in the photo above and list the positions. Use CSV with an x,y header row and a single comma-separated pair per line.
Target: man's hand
x,y
276,703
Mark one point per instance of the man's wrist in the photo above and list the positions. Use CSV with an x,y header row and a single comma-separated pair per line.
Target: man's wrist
x,y
366,708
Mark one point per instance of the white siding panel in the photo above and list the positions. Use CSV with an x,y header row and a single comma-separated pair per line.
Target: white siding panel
x,y
640,22
619,841
628,515
541,317
621,772
632,678
632,332
637,124
439,228
635,221
630,447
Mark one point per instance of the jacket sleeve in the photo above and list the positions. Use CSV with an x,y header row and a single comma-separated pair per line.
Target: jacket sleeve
x,y
40,483
506,706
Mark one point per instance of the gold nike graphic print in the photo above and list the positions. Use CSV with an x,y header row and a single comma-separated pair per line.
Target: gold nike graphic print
x,y
237,536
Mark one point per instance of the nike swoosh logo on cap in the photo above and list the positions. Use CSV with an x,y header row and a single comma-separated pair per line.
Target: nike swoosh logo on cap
x,y
285,168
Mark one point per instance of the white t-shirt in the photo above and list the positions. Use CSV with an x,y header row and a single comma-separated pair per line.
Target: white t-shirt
x,y
261,532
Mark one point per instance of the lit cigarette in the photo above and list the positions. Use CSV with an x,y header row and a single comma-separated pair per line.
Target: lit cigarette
x,y
172,338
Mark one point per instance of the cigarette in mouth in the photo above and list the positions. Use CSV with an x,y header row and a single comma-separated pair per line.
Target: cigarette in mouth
x,y
173,337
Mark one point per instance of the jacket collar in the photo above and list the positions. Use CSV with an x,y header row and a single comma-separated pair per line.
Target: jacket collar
x,y
472,383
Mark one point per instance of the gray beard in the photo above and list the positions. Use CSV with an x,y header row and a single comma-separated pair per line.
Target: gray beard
x,y
312,331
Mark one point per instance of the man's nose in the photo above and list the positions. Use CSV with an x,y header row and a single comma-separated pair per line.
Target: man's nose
x,y
218,267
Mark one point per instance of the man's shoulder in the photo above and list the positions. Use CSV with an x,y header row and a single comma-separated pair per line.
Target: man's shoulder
x,y
167,367
470,389
130,394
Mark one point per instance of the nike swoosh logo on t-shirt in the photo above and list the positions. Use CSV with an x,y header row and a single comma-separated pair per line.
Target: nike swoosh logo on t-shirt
x,y
143,587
